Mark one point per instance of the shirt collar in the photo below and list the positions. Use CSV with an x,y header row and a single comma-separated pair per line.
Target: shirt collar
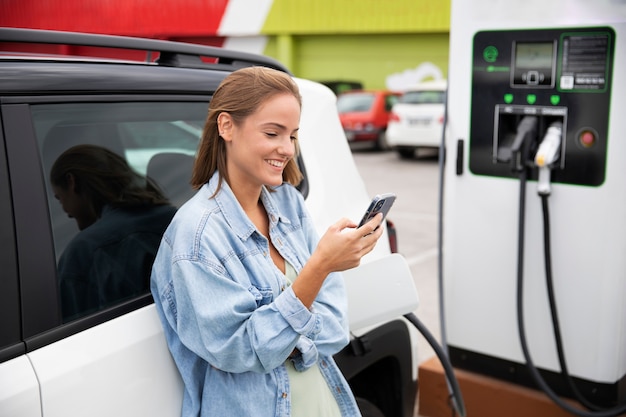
x,y
235,216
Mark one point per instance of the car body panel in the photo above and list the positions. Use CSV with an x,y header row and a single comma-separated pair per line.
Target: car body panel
x,y
336,187
122,368
19,389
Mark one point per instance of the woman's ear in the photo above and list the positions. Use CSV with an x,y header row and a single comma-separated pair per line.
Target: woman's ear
x,y
225,126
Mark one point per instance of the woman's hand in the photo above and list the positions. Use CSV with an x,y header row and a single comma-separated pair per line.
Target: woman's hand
x,y
340,248
343,245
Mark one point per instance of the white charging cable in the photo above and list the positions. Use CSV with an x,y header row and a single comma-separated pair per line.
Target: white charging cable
x,y
547,155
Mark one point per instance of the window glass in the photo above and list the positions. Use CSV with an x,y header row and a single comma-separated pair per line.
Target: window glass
x,y
423,97
355,102
116,172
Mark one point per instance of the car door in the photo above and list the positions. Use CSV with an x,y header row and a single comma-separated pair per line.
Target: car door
x,y
19,392
111,360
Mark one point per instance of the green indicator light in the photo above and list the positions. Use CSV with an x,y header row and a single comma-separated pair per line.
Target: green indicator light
x,y
531,98
490,54
508,98
555,99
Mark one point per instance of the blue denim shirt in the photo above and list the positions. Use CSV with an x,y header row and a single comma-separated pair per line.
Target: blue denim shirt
x,y
230,319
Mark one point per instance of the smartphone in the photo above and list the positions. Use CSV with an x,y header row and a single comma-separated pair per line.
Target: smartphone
x,y
381,203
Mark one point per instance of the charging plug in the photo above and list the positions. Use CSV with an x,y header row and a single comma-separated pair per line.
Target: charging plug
x,y
547,154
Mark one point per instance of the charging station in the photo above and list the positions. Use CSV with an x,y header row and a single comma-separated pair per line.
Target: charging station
x,y
536,125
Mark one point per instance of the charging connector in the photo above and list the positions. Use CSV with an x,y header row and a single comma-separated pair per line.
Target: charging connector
x,y
547,154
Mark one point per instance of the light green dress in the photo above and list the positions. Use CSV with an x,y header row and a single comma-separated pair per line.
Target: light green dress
x,y
310,394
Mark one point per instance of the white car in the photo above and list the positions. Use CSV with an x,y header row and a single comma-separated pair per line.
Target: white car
x,y
416,120
112,359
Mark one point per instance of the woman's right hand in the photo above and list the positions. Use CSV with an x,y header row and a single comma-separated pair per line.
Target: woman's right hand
x,y
343,245
340,248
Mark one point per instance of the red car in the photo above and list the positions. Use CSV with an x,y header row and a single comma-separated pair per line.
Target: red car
x,y
364,115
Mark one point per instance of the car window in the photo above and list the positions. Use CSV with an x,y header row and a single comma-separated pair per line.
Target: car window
x,y
358,102
423,97
116,173
390,100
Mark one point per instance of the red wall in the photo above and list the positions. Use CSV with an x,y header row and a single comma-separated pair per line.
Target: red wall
x,y
165,19
194,21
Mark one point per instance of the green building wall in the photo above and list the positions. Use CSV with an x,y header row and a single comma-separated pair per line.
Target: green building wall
x,y
368,41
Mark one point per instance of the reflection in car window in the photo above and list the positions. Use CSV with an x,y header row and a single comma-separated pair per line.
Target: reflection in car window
x,y
121,216
423,97
115,173
354,102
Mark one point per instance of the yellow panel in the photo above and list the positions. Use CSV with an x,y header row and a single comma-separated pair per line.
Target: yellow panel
x,y
370,59
357,16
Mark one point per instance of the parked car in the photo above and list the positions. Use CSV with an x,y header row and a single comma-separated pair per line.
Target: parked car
x,y
364,115
417,118
113,360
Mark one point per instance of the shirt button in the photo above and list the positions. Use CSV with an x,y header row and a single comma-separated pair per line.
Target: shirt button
x,y
282,288
284,395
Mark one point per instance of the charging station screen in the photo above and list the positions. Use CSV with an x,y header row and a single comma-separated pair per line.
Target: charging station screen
x,y
533,63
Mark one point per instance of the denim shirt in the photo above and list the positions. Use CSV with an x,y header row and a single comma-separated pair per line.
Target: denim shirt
x,y
230,319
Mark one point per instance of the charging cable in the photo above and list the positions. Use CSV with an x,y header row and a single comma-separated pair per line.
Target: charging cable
x,y
453,385
548,156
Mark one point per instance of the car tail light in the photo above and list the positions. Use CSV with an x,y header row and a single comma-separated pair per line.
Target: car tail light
x,y
440,119
393,117
393,236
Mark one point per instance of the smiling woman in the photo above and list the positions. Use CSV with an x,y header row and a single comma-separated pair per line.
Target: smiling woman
x,y
251,300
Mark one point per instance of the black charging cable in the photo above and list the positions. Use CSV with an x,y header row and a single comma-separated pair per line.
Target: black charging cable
x,y
534,372
457,397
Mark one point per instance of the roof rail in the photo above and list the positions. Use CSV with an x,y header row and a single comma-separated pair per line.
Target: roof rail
x,y
171,53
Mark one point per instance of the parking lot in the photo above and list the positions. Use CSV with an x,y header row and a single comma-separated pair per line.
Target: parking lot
x,y
416,183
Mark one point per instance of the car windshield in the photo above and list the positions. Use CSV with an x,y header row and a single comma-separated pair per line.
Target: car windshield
x,y
354,102
423,97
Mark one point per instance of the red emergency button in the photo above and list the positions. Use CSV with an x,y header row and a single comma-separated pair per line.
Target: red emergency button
x,y
587,138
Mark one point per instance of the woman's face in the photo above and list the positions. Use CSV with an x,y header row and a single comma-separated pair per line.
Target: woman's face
x,y
258,150
74,204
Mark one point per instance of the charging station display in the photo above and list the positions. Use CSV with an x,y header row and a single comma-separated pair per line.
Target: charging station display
x,y
557,75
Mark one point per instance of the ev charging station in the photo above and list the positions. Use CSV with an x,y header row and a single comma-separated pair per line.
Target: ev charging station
x,y
534,204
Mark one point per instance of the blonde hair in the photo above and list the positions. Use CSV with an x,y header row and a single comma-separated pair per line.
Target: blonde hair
x,y
240,94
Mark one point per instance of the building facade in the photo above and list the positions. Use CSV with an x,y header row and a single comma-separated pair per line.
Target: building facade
x,y
388,44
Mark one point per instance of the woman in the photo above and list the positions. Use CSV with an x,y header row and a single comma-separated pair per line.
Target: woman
x,y
251,301
121,216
